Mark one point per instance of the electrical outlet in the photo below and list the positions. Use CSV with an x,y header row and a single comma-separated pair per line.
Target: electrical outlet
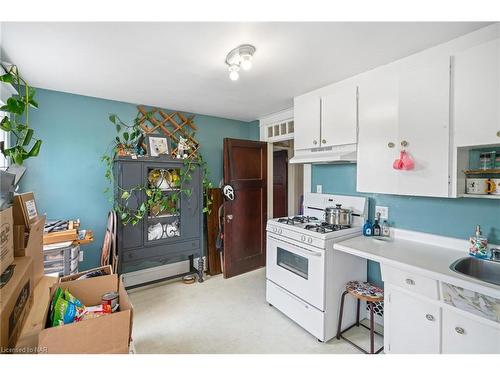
x,y
319,189
384,212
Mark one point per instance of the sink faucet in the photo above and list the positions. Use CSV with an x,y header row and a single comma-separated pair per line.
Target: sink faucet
x,y
495,255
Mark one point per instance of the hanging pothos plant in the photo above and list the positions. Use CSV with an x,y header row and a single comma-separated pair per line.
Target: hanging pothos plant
x,y
24,145
156,202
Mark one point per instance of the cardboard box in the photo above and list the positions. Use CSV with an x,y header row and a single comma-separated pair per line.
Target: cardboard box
x,y
16,298
25,211
6,239
106,334
108,270
27,342
34,248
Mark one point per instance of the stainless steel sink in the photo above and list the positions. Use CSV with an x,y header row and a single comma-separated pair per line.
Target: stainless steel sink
x,y
481,269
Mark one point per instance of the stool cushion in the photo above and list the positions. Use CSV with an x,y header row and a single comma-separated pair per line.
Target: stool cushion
x,y
365,290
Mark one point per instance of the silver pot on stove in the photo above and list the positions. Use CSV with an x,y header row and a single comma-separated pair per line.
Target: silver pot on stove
x,y
338,215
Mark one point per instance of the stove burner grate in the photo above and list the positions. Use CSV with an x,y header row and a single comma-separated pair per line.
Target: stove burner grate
x,y
297,220
325,227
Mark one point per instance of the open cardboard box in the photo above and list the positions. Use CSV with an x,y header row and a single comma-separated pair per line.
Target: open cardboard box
x,y
108,270
103,335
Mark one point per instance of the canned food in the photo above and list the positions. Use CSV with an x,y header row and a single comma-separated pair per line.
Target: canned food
x,y
109,302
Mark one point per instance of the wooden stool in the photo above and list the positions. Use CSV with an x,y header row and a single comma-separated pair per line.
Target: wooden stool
x,y
369,293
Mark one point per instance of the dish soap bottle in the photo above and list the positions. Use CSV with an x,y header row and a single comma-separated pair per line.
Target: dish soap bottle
x,y
386,231
478,245
377,231
367,228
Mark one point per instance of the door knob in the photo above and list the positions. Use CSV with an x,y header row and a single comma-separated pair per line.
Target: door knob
x,y
498,133
404,143
315,142
391,145
459,330
323,141
229,218
429,317
410,282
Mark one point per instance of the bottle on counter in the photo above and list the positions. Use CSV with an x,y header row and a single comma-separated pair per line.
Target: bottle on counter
x,y
478,245
386,230
377,230
367,229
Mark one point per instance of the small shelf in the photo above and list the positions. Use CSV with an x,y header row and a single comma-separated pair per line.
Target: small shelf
x,y
482,196
163,216
482,171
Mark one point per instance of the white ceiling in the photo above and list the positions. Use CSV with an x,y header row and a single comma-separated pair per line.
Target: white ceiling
x,y
181,65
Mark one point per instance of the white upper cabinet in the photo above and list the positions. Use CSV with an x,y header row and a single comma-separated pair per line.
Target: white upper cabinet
x,y
326,120
307,122
405,103
378,131
476,96
423,117
339,115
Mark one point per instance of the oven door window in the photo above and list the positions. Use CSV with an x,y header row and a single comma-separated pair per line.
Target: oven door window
x,y
292,262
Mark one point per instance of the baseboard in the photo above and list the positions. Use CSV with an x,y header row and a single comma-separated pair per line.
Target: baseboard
x,y
160,272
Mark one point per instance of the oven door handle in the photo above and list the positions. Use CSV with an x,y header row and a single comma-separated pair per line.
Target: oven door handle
x,y
310,252
295,247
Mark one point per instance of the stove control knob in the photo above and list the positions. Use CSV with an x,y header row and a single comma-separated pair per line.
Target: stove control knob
x,y
310,240
303,238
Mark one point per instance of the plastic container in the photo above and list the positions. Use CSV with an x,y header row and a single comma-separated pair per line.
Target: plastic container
x,y
487,160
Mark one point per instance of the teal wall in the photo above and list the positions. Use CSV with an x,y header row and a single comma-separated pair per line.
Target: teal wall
x,y
68,176
443,216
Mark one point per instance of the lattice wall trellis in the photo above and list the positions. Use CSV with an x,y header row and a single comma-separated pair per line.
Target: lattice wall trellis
x,y
174,125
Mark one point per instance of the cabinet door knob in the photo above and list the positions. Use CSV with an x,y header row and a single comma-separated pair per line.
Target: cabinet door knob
x,y
498,133
410,282
429,317
323,141
315,142
404,143
391,145
459,330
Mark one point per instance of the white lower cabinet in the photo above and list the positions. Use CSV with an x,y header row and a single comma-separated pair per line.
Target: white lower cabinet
x,y
416,322
462,335
411,324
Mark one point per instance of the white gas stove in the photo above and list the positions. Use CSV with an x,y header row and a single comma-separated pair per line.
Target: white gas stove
x,y
305,276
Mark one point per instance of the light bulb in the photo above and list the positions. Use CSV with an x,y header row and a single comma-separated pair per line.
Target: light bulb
x,y
234,75
246,62
233,72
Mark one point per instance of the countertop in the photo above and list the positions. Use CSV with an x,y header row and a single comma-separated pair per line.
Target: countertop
x,y
419,253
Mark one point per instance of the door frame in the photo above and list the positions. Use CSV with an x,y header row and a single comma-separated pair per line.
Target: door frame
x,y
295,187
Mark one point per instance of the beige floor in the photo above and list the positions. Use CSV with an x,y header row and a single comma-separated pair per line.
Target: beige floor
x,y
222,316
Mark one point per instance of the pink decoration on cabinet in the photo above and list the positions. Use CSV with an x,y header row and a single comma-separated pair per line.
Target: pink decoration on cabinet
x,y
405,162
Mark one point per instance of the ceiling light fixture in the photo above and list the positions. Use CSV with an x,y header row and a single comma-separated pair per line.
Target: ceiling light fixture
x,y
242,57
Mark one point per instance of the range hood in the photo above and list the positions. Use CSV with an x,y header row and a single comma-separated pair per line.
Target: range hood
x,y
326,155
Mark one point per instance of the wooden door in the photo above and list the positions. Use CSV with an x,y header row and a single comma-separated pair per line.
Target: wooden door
x,y
411,324
476,95
245,169
280,183
307,120
339,115
424,97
